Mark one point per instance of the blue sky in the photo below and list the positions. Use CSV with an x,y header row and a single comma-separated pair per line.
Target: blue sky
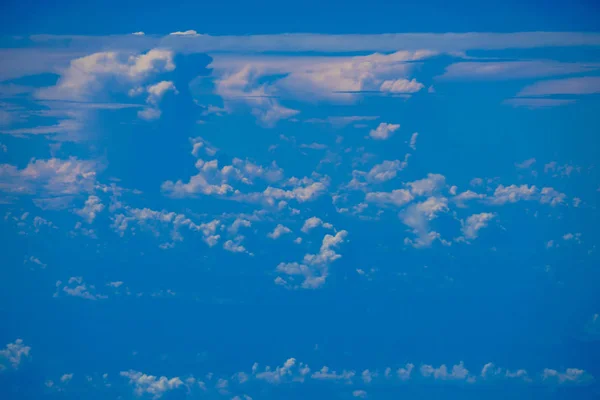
x,y
266,201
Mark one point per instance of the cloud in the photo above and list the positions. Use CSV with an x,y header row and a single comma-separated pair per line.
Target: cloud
x,y
525,164
458,372
570,376
92,207
314,222
513,193
326,374
214,181
279,231
13,354
76,287
401,86
190,32
502,70
51,179
314,268
383,131
413,141
86,76
568,86
474,223
148,384
235,246
536,103
398,197
417,217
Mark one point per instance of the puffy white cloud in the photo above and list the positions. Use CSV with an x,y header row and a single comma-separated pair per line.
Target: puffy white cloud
x,y
92,207
76,287
461,198
360,394
513,193
383,131
427,186
189,32
398,197
458,372
552,197
314,222
314,268
326,374
50,178
86,76
13,354
401,86
158,221
215,181
279,231
235,246
291,370
570,375
474,223
405,372
417,217
151,385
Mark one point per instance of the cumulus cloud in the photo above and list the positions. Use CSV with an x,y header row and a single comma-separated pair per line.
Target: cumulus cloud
x,y
13,354
383,131
417,217
151,385
86,76
52,179
76,287
314,268
474,223
92,207
314,222
279,231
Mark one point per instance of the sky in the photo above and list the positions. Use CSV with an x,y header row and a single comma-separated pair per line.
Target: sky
x,y
323,200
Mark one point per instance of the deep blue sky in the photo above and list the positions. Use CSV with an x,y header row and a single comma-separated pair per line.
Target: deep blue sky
x,y
336,217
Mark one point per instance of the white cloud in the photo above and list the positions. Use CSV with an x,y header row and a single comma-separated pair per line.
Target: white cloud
x,y
190,32
151,385
92,207
76,287
500,70
314,222
398,197
525,164
383,131
417,217
427,186
401,86
279,231
513,193
413,141
570,375
360,394
13,354
567,86
86,76
314,268
51,179
326,374
458,372
474,223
